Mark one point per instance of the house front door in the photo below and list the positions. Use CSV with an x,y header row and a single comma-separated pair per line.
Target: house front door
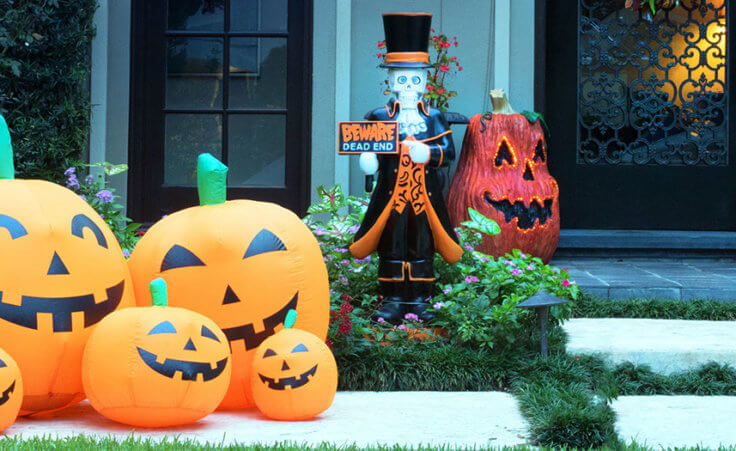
x,y
228,77
640,109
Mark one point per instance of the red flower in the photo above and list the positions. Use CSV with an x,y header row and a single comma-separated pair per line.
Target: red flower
x,y
328,342
453,58
460,68
444,68
455,43
345,308
446,45
381,44
140,233
454,38
430,87
379,55
440,91
432,30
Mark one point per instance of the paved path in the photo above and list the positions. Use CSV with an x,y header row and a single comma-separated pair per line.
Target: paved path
x,y
472,419
667,346
623,278
677,421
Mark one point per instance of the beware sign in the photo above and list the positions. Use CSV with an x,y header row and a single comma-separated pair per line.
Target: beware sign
x,y
355,137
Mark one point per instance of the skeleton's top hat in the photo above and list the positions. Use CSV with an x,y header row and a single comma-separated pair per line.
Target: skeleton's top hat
x,y
407,39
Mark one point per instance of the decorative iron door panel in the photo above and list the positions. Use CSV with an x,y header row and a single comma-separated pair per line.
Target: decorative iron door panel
x,y
639,109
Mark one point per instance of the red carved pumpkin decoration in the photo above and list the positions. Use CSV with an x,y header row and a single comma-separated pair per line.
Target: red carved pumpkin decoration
x,y
502,172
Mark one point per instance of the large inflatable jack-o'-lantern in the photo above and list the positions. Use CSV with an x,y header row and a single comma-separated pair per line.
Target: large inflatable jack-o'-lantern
x,y
502,173
244,264
61,272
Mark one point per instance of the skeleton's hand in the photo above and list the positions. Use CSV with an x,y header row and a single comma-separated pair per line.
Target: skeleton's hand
x,y
418,151
368,163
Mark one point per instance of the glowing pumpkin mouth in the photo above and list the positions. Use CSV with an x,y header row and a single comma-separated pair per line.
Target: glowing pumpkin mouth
x,y
253,339
527,216
6,394
189,370
61,309
291,382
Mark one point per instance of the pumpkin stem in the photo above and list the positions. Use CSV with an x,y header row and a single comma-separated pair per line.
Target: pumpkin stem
x,y
211,180
500,102
7,169
290,319
159,293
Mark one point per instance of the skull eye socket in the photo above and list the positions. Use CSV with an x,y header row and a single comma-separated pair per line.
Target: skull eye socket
x,y
13,226
264,242
163,328
539,152
179,257
504,154
209,334
299,348
269,353
81,222
416,80
401,79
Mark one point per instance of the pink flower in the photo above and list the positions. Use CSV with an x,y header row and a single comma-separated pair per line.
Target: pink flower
x,y
345,262
447,291
411,317
471,279
530,267
565,283
444,68
468,248
381,320
438,305
522,255
341,250
516,272
402,327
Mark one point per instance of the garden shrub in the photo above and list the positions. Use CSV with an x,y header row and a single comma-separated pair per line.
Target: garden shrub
x,y
45,48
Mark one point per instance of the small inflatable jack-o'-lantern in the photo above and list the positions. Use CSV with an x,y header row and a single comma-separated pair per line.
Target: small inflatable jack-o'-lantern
x,y
61,272
244,264
156,366
502,173
11,390
294,374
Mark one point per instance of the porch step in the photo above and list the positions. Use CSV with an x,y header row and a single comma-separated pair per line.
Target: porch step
x,y
667,346
646,278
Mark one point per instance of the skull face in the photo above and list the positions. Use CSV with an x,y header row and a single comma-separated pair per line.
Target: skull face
x,y
407,84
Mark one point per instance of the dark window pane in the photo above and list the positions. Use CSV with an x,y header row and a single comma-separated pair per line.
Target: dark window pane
x,y
257,150
258,72
194,73
187,136
258,15
201,15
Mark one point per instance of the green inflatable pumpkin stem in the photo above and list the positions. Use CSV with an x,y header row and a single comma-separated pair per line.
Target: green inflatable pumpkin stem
x,y
7,169
211,180
290,319
158,292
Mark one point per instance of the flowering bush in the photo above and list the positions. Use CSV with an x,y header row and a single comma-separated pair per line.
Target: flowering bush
x,y
475,299
443,65
103,199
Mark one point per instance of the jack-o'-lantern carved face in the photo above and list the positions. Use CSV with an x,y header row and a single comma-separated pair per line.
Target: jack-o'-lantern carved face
x,y
61,272
11,390
294,376
156,366
502,173
244,264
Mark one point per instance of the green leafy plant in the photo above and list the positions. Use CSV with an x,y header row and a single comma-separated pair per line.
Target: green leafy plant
x,y
44,67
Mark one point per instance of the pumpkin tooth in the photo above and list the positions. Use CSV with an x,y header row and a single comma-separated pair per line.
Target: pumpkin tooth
x,y
160,359
100,295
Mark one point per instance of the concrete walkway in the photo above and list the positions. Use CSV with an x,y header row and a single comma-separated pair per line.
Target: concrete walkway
x,y
682,279
468,419
677,421
667,346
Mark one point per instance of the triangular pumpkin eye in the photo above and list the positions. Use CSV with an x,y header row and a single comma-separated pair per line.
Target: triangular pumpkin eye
x,y
300,348
3,364
504,154
179,257
163,328
539,152
269,353
264,242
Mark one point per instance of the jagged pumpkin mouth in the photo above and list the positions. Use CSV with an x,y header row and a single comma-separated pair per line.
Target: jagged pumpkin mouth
x,y
189,370
290,382
527,216
247,332
61,309
6,393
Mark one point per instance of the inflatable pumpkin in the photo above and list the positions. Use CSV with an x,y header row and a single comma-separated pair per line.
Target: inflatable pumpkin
x,y
502,173
156,366
61,272
243,263
11,390
294,374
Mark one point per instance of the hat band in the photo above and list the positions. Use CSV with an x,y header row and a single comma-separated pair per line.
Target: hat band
x,y
407,57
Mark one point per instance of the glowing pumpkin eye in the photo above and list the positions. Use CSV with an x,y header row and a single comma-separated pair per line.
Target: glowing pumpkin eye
x,y
269,353
264,242
299,348
539,152
209,334
81,222
14,227
504,155
179,257
163,328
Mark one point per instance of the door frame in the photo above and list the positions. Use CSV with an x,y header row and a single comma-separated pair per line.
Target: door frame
x,y
622,239
142,165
